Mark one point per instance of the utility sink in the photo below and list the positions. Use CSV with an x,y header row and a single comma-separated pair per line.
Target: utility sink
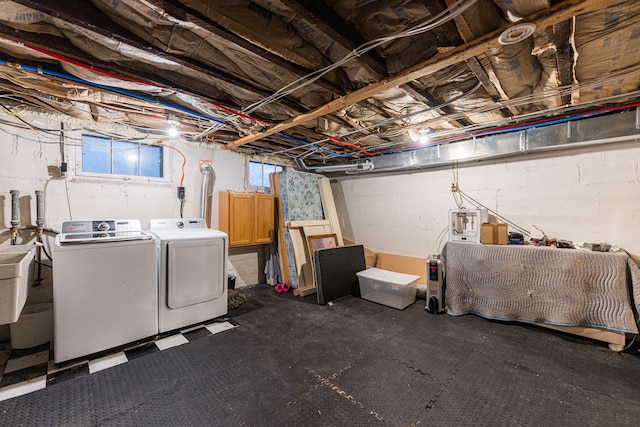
x,y
16,264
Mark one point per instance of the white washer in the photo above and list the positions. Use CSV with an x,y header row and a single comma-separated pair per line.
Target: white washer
x,y
105,287
192,272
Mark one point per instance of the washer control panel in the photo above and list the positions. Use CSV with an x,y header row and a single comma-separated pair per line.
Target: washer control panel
x,y
91,231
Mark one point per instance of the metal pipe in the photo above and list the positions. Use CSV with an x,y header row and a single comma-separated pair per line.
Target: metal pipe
x,y
15,216
39,225
15,208
206,170
39,208
31,227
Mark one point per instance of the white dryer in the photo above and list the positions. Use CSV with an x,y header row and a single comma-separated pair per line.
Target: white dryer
x,y
192,262
105,287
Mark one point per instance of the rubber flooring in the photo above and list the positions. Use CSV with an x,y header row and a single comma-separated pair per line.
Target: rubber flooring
x,y
290,362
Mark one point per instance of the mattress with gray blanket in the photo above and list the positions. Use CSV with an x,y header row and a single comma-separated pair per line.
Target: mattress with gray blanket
x,y
542,284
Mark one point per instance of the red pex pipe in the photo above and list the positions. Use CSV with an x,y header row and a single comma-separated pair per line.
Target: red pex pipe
x,y
130,79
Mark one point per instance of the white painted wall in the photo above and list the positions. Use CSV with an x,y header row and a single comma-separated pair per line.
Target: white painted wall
x,y
26,157
583,195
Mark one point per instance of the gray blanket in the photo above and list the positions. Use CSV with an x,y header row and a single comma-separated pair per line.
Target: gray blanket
x,y
542,284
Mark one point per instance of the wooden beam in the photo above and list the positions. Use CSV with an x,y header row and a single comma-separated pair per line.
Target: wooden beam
x,y
447,34
427,98
183,12
564,56
554,15
87,16
478,70
319,15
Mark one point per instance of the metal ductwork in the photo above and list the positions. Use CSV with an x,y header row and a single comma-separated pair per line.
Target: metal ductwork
x,y
207,171
604,129
359,166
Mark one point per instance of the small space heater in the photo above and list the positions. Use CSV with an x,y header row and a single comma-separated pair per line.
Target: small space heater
x,y
435,285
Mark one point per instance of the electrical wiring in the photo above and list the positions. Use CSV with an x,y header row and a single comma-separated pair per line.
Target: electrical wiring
x,y
458,199
66,190
129,79
335,139
496,214
184,161
40,70
408,115
513,128
291,138
443,17
440,238
514,102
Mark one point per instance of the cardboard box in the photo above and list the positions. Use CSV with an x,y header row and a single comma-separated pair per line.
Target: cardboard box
x,y
501,234
486,233
494,234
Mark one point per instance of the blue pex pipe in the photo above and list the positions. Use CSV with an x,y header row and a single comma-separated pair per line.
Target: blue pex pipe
x,y
40,70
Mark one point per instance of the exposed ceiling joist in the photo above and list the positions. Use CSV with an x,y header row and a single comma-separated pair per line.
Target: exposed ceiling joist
x,y
554,15
432,101
85,15
190,15
478,70
564,56
326,20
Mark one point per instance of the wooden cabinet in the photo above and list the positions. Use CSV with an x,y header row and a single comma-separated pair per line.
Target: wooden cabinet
x,y
248,218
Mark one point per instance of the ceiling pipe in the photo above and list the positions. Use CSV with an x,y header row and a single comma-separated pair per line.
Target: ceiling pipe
x,y
359,166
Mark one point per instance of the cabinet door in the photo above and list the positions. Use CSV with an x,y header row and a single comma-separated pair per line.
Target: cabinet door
x,y
265,218
241,218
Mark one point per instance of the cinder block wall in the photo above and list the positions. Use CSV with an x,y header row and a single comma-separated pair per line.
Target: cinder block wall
x,y
584,195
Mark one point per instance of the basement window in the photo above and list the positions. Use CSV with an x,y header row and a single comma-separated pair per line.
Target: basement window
x,y
121,158
258,174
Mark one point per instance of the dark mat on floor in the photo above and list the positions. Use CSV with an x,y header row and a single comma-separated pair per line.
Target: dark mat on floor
x,y
290,363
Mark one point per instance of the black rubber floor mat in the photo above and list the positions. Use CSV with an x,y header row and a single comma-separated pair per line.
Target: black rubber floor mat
x,y
336,270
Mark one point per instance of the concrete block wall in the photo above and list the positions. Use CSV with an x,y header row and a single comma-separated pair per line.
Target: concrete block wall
x,y
27,162
587,194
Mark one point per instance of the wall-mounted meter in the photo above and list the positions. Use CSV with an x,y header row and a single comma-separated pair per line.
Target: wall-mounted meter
x,y
465,224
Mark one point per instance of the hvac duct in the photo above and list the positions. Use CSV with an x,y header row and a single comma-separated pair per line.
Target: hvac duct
x,y
604,129
206,170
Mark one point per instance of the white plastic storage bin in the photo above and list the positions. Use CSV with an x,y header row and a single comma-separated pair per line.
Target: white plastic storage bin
x,y
397,290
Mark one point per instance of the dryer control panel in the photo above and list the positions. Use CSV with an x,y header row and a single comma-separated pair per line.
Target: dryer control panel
x,y
177,224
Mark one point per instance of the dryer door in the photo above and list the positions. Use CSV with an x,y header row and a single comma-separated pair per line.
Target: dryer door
x,y
195,270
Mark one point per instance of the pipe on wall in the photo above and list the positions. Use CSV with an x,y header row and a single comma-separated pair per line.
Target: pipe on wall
x,y
206,170
15,215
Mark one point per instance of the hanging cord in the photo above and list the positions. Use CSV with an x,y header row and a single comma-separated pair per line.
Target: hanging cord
x,y
445,16
63,169
497,215
441,236
455,192
184,162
